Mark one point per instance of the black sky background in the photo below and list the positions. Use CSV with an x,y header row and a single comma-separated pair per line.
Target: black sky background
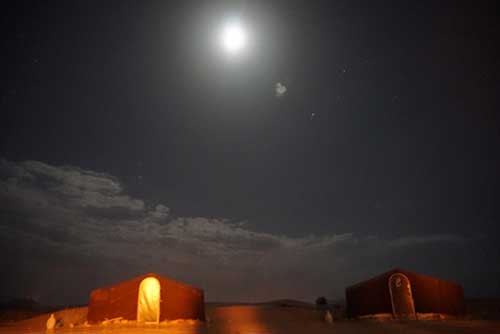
x,y
404,139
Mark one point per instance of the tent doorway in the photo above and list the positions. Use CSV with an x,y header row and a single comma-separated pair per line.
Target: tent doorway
x,y
401,297
148,302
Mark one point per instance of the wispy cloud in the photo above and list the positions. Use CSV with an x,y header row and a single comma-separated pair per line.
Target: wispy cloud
x,y
66,219
427,239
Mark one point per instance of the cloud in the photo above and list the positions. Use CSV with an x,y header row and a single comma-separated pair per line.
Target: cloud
x,y
74,186
280,90
84,226
160,211
427,239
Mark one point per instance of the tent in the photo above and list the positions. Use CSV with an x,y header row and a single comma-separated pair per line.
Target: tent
x,y
405,295
149,298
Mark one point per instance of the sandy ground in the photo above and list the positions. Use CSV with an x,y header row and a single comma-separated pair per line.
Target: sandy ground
x,y
259,319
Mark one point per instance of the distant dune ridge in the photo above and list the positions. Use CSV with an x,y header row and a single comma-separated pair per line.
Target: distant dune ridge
x,y
65,317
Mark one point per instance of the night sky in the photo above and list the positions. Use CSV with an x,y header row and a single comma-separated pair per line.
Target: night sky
x,y
130,142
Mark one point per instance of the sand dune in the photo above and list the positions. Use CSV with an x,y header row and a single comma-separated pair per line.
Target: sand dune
x,y
273,317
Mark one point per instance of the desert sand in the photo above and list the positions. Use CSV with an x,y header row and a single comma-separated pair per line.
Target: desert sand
x,y
253,319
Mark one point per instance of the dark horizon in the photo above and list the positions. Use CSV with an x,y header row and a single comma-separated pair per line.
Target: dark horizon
x,y
347,138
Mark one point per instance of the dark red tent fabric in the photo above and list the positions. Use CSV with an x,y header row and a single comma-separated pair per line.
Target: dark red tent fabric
x,y
177,300
430,295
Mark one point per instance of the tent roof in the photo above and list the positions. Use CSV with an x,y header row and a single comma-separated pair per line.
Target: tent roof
x,y
150,274
393,271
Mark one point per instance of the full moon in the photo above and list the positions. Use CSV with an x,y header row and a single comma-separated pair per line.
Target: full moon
x,y
233,37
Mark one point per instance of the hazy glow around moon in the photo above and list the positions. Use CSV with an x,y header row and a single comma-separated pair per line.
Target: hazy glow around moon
x,y
233,37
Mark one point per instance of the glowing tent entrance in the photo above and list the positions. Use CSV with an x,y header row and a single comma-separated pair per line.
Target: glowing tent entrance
x,y
148,303
401,297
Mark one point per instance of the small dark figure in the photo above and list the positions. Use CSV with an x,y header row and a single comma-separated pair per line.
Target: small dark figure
x,y
321,303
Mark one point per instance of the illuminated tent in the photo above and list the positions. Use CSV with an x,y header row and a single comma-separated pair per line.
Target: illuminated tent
x,y
149,298
405,295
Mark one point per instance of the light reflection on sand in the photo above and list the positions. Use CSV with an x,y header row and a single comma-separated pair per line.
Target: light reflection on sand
x,y
178,329
270,319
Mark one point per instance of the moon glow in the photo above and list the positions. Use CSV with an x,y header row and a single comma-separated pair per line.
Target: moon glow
x,y
233,37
